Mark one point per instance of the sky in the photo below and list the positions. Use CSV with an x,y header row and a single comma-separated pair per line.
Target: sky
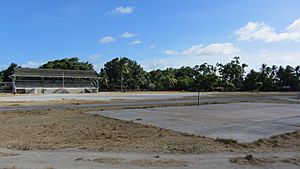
x,y
157,33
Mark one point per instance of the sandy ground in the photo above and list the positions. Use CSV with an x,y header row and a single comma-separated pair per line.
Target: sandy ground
x,y
78,159
106,96
112,99
244,122
99,96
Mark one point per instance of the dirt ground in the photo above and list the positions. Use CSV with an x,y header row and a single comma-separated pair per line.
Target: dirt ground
x,y
60,102
58,129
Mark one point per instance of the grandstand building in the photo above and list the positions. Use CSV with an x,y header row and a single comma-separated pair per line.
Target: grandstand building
x,y
47,81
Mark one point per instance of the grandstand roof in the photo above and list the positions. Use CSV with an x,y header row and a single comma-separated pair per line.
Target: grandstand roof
x,y
32,72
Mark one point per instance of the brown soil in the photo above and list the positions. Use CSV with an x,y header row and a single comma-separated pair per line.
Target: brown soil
x,y
250,160
60,102
57,129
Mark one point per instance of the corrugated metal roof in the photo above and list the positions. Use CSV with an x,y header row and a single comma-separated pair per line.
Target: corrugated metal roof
x,y
31,72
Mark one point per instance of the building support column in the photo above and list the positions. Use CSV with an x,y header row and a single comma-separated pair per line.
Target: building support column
x,y
14,88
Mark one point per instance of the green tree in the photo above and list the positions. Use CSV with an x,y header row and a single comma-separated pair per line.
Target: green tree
x,y
8,72
297,71
267,78
184,83
164,79
207,82
68,63
233,72
258,85
155,77
185,78
103,80
251,79
168,79
123,73
205,77
1,76
287,78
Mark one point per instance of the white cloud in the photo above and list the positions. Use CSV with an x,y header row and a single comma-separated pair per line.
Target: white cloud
x,y
280,58
98,66
135,42
212,49
128,35
213,53
3,67
94,57
122,10
158,64
178,61
107,39
32,64
170,52
263,32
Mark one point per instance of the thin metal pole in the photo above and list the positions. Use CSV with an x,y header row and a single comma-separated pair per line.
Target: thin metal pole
x,y
198,97
121,81
63,74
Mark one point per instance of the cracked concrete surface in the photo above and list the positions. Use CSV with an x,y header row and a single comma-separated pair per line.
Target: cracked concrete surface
x,y
244,122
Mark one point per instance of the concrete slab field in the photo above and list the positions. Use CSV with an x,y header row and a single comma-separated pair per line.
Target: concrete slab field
x,y
244,122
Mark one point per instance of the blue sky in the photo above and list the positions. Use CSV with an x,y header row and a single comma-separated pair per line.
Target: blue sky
x,y
156,33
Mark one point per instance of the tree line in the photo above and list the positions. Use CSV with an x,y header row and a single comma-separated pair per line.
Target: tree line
x,y
124,74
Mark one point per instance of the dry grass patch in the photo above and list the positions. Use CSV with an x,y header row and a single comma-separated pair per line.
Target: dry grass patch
x,y
144,162
159,163
103,160
251,160
58,129
7,154
108,160
14,167
56,102
282,142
